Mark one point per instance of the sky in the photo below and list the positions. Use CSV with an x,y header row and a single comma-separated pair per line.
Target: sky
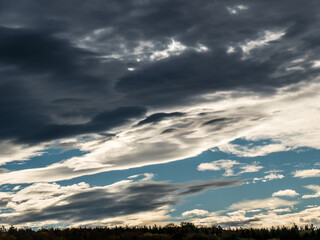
x,y
143,112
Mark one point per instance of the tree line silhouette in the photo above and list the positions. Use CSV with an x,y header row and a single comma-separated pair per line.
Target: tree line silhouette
x,y
184,231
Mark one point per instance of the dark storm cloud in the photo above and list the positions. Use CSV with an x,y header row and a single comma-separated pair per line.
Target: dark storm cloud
x,y
214,121
69,101
178,79
98,203
38,67
102,122
157,117
4,202
37,51
169,130
56,78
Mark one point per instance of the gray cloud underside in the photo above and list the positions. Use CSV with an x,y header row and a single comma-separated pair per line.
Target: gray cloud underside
x,y
100,203
57,82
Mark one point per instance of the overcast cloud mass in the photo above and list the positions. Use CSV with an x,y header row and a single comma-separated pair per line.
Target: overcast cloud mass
x,y
141,112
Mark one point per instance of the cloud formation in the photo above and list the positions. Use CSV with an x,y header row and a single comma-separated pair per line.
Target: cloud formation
x,y
277,217
136,83
48,203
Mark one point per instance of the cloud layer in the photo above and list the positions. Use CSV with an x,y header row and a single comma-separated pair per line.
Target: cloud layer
x,y
137,83
49,203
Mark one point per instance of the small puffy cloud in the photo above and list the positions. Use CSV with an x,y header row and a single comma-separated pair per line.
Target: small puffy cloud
x,y
307,173
285,193
273,176
195,212
223,164
315,188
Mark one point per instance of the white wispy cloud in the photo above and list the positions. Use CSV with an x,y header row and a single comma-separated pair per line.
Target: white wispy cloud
x,y
315,188
144,51
228,166
307,173
174,48
269,203
265,39
252,151
285,193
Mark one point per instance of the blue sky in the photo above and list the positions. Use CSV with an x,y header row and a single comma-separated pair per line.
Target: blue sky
x,y
151,112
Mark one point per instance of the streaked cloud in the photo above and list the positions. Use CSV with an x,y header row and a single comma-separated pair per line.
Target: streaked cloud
x,y
48,203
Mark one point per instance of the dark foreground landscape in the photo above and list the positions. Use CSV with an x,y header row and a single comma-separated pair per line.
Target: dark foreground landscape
x,y
183,232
